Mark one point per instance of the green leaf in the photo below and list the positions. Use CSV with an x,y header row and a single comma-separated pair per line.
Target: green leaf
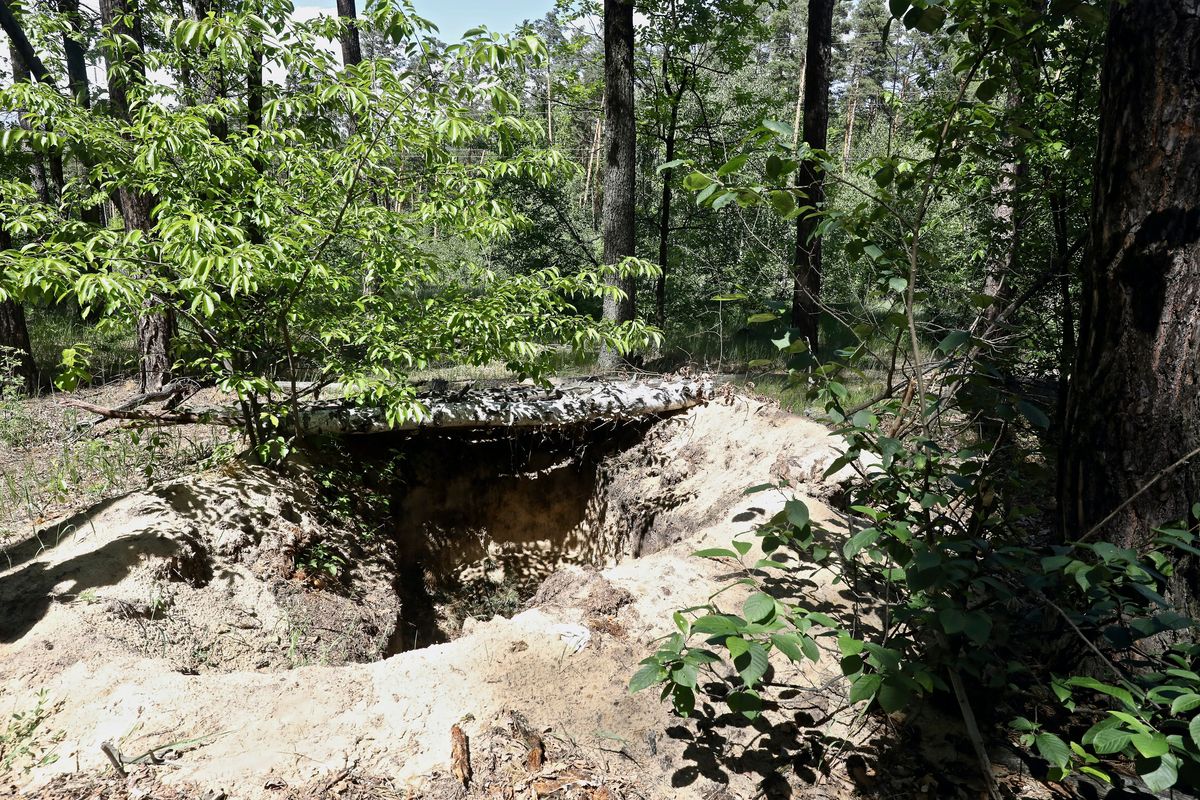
x,y
696,181
777,127
717,625
1194,730
715,552
763,317
646,677
758,607
752,664
1150,745
953,341
797,513
1053,749
978,626
782,202
1110,740
732,165
685,675
898,7
865,687
954,620
988,89
1185,702
1035,415
849,645
893,696
1160,773
788,644
897,284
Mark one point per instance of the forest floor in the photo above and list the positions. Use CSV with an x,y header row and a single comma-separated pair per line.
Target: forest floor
x,y
223,633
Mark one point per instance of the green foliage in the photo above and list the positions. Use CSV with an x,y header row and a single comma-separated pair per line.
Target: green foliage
x,y
946,454
289,248
321,560
25,742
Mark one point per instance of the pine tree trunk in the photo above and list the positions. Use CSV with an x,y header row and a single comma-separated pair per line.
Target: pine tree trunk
x,y
806,276
620,141
1134,404
351,48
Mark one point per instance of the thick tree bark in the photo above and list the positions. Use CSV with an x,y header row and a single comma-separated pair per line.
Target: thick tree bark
x,y
806,276
157,326
351,48
619,167
1134,405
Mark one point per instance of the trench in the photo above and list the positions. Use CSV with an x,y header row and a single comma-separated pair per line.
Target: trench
x,y
474,522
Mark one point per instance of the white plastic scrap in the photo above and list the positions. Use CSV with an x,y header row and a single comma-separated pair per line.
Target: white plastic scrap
x,y
576,637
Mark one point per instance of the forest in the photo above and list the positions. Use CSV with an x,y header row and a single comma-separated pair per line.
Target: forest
x,y
661,398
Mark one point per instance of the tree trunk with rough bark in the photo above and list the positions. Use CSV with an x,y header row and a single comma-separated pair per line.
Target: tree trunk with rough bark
x,y
351,47
156,327
806,275
1134,408
619,166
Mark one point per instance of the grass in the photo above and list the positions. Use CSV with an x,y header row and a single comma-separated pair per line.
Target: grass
x,y
113,346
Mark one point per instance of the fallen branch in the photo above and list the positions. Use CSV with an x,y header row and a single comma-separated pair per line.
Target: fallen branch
x,y
503,407
206,417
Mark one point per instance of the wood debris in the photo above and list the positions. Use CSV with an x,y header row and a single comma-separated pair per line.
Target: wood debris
x,y
460,755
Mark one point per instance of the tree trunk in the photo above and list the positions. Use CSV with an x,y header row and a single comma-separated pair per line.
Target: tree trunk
x,y
14,337
1134,408
619,166
157,325
37,167
77,77
1000,267
21,47
851,112
806,278
664,215
351,48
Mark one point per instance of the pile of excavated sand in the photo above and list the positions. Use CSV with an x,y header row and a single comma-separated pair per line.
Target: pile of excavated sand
x,y
104,617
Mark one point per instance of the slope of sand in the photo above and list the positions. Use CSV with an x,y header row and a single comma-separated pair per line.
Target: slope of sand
x,y
257,734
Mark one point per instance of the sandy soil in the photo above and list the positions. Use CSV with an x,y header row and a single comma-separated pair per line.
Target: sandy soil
x,y
121,664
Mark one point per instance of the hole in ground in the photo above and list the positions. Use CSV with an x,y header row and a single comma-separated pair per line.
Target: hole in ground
x,y
474,522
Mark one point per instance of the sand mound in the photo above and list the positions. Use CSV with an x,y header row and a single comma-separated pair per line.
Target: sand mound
x,y
120,614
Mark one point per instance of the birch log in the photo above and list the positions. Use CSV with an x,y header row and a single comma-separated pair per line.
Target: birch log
x,y
562,405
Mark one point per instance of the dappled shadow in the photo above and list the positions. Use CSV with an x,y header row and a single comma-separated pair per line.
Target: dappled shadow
x,y
26,594
775,749
38,572
52,535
